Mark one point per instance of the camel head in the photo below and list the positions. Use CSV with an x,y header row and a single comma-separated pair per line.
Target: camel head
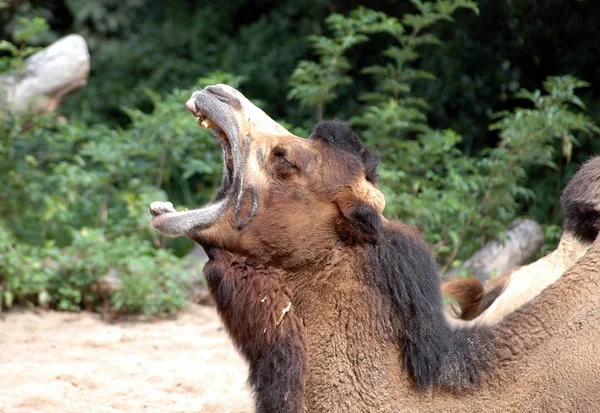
x,y
278,189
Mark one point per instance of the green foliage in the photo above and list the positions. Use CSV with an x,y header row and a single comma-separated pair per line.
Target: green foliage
x,y
538,142
314,83
101,177
157,45
26,31
73,278
458,201
74,196
546,132
74,201
75,209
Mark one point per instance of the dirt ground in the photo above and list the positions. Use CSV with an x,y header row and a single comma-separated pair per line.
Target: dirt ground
x,y
66,362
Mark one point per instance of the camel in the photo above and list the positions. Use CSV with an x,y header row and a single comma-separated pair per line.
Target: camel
x,y
490,303
507,292
471,297
337,309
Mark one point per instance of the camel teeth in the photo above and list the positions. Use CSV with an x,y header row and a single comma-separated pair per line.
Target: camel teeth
x,y
207,123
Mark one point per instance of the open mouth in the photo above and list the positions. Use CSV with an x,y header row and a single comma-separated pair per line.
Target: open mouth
x,y
236,123
227,156
213,107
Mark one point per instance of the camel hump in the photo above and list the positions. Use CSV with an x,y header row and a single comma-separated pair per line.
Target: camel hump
x,y
580,201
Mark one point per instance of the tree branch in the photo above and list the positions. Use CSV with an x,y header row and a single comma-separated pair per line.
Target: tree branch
x,y
48,77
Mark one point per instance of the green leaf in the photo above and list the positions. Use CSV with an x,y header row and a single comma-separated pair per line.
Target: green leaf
x,y
9,47
8,298
28,29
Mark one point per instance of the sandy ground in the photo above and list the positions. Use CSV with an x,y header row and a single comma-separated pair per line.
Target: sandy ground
x,y
66,362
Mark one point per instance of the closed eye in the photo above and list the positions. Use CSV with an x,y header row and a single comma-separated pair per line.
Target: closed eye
x,y
282,164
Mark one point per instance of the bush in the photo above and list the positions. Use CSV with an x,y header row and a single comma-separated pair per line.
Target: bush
x,y
458,201
74,228
74,209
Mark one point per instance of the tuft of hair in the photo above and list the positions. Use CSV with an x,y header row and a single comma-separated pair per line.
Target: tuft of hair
x,y
467,293
339,134
580,202
435,353
472,297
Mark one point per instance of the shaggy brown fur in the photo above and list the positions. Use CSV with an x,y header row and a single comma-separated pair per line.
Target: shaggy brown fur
x,y
337,309
252,303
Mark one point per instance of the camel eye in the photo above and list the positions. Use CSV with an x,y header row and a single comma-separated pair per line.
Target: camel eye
x,y
278,151
283,165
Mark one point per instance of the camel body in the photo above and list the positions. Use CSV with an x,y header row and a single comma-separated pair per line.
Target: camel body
x,y
546,361
336,309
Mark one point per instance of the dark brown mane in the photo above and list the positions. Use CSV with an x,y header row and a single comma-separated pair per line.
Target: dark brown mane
x,y
435,353
251,301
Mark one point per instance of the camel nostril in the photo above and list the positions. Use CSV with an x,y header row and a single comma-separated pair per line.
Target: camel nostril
x,y
220,91
225,94
191,106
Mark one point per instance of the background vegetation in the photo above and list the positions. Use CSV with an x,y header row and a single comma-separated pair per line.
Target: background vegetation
x,y
480,109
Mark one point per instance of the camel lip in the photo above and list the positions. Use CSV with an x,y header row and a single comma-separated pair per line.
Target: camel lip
x,y
213,102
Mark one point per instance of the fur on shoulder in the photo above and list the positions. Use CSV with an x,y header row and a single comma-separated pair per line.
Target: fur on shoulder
x,y
435,353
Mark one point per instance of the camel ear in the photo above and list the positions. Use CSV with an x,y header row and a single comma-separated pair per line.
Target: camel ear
x,y
358,222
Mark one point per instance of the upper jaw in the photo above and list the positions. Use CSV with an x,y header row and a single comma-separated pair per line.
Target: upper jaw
x,y
215,107
197,103
233,113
